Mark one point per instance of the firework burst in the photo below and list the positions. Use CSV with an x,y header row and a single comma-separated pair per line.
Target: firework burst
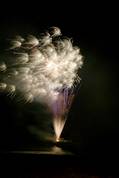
x,y
43,69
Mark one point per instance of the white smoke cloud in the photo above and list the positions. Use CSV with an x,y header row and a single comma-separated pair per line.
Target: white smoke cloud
x,y
40,67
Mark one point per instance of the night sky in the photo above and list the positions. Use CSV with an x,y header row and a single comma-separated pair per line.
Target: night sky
x,y
92,124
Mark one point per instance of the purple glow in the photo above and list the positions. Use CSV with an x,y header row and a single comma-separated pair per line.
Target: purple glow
x,y
60,108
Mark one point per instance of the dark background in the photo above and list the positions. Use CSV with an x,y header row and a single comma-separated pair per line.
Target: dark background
x,y
92,124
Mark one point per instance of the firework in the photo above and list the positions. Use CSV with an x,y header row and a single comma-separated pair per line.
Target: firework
x,y
43,69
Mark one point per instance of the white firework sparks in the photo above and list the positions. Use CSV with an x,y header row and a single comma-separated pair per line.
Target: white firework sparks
x,y
41,69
